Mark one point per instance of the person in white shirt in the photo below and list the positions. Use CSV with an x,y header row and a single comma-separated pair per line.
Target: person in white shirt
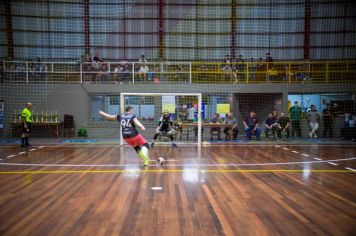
x,y
313,117
117,72
144,69
142,59
143,72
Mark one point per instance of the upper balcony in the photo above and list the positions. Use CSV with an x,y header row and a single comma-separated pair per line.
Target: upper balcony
x,y
179,72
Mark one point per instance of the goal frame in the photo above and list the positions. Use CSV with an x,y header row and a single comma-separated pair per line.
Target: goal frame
x,y
198,95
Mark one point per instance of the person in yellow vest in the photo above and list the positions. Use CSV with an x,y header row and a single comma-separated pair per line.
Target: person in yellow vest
x,y
26,115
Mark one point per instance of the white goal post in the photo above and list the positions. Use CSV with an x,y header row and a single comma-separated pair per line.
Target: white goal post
x,y
199,118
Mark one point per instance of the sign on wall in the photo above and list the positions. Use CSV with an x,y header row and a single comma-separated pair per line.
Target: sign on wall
x,y
222,109
169,103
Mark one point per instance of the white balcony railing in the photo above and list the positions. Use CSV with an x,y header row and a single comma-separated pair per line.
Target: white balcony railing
x,y
179,72
90,72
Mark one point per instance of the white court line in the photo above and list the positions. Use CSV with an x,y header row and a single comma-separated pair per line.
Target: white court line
x,y
348,168
41,146
22,153
277,146
332,163
10,156
318,159
32,150
115,145
179,165
165,160
286,149
295,152
306,155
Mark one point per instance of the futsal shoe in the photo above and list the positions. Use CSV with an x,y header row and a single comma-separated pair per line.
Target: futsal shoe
x,y
28,145
152,145
146,163
174,145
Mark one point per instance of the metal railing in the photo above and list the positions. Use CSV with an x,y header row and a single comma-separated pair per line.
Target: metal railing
x,y
179,72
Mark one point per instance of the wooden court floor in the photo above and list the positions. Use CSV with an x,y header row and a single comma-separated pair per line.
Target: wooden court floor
x,y
213,190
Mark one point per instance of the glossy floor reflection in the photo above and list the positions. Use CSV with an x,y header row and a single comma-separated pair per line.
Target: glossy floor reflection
x,y
213,190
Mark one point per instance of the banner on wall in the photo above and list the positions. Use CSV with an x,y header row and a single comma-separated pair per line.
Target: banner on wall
x,y
2,104
171,108
222,109
169,103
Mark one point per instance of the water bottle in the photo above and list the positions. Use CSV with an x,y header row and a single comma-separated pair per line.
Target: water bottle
x,y
51,117
19,117
42,117
46,117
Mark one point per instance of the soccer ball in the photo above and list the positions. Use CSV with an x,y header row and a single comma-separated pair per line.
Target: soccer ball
x,y
161,161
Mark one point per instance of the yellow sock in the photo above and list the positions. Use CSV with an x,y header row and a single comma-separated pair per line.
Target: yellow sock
x,y
144,157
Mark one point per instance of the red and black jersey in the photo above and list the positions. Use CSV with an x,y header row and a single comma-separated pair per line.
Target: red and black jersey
x,y
128,127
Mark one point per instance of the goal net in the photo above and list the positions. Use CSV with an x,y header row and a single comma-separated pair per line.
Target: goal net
x,y
75,57
184,109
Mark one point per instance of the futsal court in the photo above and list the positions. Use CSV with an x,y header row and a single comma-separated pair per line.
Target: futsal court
x,y
177,117
90,189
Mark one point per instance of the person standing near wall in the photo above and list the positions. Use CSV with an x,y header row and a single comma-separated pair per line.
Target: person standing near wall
x,y
327,120
313,117
26,116
295,115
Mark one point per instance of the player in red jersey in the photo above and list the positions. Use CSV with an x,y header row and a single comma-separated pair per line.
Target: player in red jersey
x,y
130,134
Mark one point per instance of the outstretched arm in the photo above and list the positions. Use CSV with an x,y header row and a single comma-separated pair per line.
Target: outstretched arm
x,y
108,116
138,123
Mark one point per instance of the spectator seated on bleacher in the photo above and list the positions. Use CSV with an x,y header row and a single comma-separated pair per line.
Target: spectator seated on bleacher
x,y
118,71
96,62
144,69
104,74
151,74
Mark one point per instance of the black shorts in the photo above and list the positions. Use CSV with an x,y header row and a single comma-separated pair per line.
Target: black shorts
x,y
29,128
165,130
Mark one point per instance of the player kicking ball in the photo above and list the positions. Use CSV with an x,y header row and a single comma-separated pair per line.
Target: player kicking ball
x,y
130,134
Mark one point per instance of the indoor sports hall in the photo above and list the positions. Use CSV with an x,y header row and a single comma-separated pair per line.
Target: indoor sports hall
x,y
177,117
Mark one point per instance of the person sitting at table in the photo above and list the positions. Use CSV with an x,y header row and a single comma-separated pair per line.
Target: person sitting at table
x,y
165,126
217,130
251,126
195,129
230,120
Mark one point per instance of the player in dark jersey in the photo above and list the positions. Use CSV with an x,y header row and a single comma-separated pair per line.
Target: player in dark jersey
x,y
130,134
165,125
